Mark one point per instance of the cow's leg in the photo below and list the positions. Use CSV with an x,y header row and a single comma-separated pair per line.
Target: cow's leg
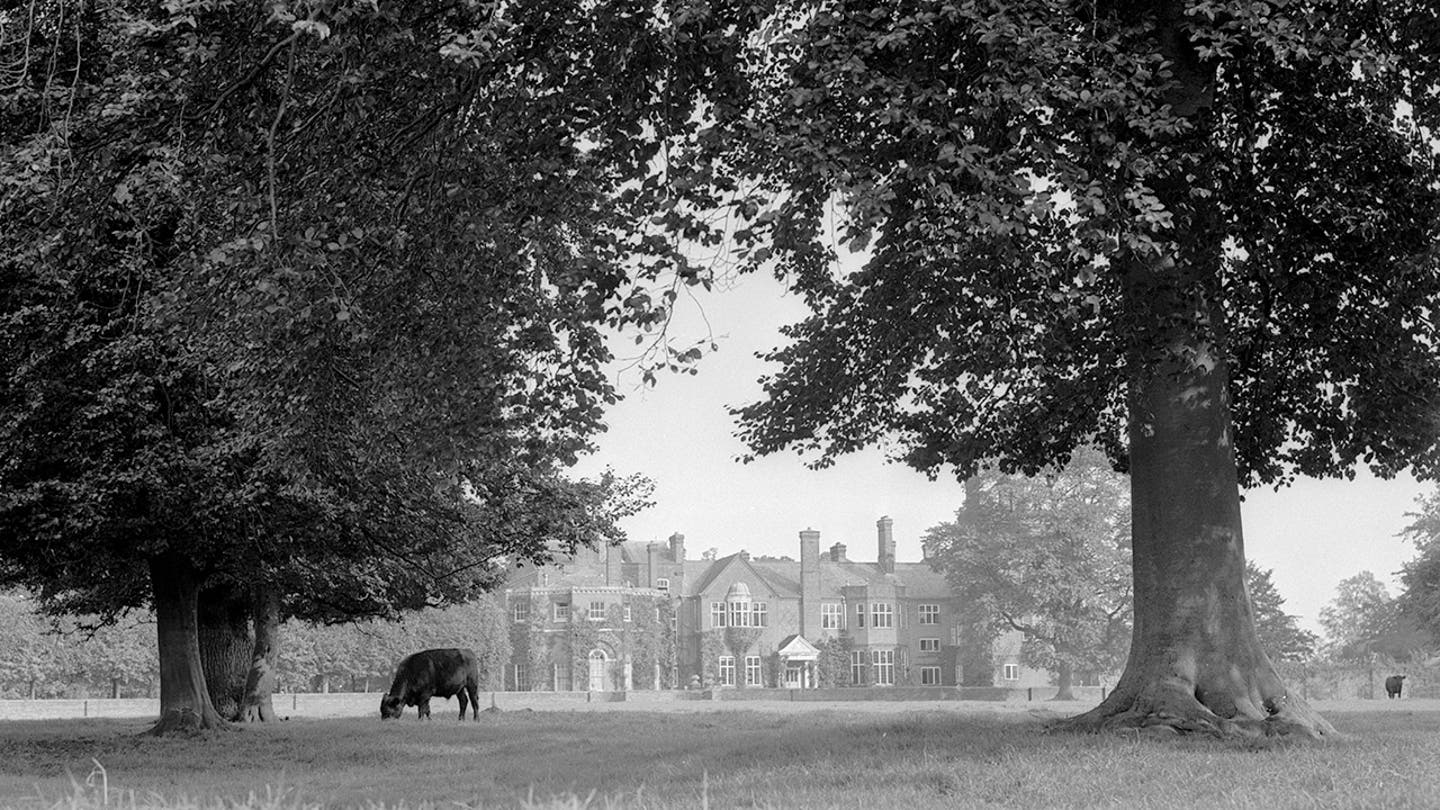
x,y
474,703
460,696
423,707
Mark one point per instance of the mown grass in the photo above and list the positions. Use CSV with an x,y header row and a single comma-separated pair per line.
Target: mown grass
x,y
719,759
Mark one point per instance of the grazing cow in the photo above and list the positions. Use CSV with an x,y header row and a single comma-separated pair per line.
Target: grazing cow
x,y
1393,685
433,673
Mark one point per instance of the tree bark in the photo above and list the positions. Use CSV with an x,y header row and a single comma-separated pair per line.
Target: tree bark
x,y
223,615
260,682
184,701
1064,682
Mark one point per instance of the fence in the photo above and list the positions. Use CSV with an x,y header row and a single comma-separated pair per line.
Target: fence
x,y
1366,681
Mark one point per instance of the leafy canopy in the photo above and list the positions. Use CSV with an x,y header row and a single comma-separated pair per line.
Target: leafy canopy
x,y
998,168
311,292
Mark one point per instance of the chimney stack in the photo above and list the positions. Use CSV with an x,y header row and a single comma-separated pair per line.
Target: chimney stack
x,y
886,541
810,584
652,550
677,547
837,553
614,559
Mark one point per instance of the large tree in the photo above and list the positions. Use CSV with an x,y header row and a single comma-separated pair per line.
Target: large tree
x,y
301,304
1198,234
1049,557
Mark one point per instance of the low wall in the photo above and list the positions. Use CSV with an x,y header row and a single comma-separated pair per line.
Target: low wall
x,y
362,704
1093,694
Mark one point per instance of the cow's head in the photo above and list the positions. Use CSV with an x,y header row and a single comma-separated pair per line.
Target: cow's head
x,y
390,707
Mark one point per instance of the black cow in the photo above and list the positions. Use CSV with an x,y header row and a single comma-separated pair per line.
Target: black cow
x,y
433,673
1393,685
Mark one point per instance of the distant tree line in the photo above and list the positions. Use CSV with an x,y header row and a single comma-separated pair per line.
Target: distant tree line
x,y
76,656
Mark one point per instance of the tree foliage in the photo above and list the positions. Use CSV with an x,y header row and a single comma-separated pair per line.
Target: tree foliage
x,y
1280,633
1365,620
282,286
1048,556
998,165
1420,577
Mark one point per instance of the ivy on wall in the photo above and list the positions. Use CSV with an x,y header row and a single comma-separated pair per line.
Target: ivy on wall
x,y
643,642
832,667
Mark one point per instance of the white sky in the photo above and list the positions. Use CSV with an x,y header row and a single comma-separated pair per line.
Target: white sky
x,y
679,434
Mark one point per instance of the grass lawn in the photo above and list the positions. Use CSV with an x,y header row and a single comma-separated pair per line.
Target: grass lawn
x,y
831,755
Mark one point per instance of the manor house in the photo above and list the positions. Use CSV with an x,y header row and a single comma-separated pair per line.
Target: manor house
x,y
646,615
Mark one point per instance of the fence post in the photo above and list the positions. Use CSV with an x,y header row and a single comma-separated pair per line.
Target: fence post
x,y
85,711
293,696
1030,693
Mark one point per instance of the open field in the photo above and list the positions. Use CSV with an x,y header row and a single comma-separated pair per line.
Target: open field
x,y
694,754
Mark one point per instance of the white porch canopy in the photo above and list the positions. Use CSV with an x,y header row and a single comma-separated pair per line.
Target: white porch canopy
x,y
797,660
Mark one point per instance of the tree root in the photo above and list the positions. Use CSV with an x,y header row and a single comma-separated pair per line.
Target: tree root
x,y
1169,711
184,722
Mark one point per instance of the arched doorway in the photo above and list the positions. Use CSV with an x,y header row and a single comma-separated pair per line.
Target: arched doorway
x,y
598,670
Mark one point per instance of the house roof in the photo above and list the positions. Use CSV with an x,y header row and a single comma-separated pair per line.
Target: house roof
x,y
783,576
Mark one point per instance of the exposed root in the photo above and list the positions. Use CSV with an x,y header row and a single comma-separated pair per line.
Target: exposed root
x,y
184,722
1169,711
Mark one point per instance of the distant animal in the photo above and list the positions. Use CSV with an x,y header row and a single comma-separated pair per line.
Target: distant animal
x,y
433,673
1393,684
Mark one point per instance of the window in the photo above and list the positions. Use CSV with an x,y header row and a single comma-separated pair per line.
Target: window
x,y
522,678
882,614
857,666
560,612
760,614
597,611
832,616
662,584
930,645
860,614
884,663
520,611
929,676
1011,672
717,614
727,670
739,614
752,670
627,612
929,614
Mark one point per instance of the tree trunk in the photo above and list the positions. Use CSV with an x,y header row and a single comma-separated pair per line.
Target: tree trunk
x,y
114,688
260,682
184,701
1195,662
32,688
223,615
1064,682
